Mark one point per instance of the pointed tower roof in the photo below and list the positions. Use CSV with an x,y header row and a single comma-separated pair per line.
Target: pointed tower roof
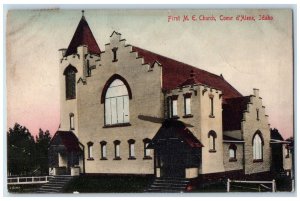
x,y
83,36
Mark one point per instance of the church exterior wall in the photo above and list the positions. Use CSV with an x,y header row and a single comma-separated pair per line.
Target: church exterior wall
x,y
233,165
249,127
147,100
147,110
201,123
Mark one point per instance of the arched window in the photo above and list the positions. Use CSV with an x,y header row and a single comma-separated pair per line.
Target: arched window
x,y
147,152
103,150
90,151
212,141
117,103
131,149
70,78
72,123
117,150
257,143
232,152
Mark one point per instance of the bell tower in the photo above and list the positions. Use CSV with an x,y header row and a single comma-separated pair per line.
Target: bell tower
x,y
75,67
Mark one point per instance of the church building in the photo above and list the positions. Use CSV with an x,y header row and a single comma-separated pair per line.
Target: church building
x,y
127,110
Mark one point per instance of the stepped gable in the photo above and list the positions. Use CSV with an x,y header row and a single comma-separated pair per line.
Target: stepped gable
x,y
175,73
83,36
233,111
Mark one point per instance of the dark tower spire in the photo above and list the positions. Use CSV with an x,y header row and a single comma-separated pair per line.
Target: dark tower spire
x,y
83,36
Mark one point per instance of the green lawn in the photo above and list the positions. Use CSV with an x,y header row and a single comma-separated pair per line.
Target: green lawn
x,y
109,184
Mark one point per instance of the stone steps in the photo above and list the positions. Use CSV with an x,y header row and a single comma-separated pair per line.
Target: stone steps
x,y
168,185
55,184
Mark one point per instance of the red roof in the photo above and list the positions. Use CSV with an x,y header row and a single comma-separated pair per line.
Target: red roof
x,y
175,73
233,111
83,36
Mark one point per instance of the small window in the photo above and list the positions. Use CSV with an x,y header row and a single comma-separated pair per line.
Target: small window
x,y
72,124
187,104
257,114
90,151
174,108
172,105
103,150
232,152
211,98
88,68
117,150
114,50
131,149
147,152
212,141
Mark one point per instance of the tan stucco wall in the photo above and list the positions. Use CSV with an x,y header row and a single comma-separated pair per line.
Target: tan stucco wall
x,y
233,165
249,126
201,123
191,173
146,100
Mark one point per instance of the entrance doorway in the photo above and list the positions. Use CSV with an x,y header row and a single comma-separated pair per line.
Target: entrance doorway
x,y
172,159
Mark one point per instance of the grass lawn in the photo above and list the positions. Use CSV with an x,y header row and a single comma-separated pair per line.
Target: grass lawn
x,y
109,184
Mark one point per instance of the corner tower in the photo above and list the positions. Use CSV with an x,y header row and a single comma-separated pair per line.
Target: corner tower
x,y
76,65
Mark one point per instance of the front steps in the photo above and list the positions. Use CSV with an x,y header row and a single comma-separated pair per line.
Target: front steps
x,y
168,185
55,184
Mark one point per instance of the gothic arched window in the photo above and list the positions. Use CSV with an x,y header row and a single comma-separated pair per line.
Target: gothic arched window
x,y
115,96
257,143
70,78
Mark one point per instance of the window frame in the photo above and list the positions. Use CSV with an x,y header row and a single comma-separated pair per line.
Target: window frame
x,y
103,98
234,148
72,121
70,82
211,100
187,96
212,135
117,150
114,51
147,155
131,143
103,145
254,148
90,151
171,100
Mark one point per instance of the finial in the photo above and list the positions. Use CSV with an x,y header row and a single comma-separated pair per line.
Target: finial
x,y
192,74
82,13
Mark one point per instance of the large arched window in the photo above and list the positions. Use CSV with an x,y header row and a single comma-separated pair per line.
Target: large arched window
x,y
257,147
70,78
117,102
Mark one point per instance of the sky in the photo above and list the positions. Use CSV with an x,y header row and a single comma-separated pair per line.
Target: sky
x,y
249,54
